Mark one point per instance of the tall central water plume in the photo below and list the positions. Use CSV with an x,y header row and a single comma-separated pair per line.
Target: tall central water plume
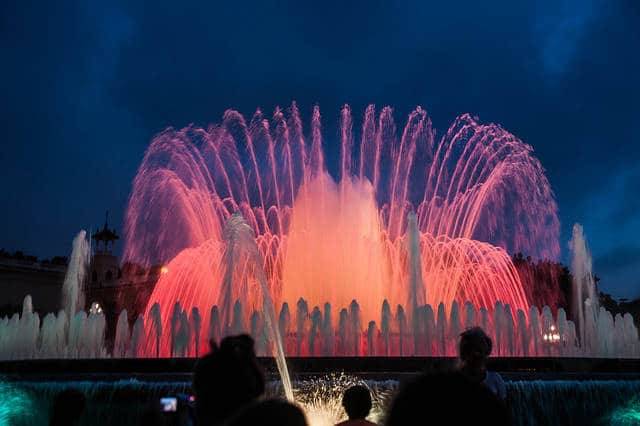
x,y
478,193
72,287
416,295
585,303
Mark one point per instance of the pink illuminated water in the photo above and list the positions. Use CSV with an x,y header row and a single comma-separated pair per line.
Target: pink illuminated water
x,y
477,191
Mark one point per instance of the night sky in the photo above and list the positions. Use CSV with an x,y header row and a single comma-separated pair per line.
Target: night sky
x,y
84,87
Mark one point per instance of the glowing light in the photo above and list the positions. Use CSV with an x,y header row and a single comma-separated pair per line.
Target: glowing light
x,y
552,336
629,414
321,399
164,270
16,406
95,308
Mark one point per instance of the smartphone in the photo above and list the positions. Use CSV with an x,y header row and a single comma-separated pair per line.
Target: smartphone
x,y
169,404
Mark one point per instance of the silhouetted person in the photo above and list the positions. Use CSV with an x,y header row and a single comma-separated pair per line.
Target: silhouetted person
x,y
271,412
226,379
474,350
357,404
151,416
67,408
446,399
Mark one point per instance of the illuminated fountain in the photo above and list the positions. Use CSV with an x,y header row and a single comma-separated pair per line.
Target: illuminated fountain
x,y
335,241
397,253
394,255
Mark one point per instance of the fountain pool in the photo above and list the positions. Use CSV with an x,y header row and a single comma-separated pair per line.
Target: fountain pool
x,y
532,402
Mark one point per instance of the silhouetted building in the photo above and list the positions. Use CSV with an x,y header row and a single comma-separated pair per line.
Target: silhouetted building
x,y
112,286
21,275
105,271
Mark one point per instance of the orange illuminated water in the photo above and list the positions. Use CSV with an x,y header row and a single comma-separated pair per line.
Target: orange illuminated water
x,y
478,193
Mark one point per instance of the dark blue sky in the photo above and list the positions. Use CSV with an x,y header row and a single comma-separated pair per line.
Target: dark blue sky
x,y
85,85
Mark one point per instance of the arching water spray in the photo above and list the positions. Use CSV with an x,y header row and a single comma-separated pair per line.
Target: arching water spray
x,y
337,238
243,256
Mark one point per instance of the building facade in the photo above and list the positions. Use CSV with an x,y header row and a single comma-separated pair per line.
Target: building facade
x,y
109,284
22,275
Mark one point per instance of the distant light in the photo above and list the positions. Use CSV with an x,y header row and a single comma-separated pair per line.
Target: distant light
x,y
164,270
553,336
95,308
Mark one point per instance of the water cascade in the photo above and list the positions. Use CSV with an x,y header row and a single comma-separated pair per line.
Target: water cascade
x,y
531,402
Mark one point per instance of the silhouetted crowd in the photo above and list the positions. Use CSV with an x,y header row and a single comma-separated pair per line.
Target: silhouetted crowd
x,y
229,388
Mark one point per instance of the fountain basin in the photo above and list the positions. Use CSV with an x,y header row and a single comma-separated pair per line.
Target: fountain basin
x,y
570,396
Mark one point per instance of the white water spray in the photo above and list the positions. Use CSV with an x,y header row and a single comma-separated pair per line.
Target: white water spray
x,y
242,252
72,289
585,302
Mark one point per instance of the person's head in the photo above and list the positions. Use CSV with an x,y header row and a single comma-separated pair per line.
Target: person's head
x,y
226,379
271,412
67,408
357,402
474,347
446,398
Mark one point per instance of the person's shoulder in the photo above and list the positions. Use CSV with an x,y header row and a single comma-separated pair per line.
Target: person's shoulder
x,y
495,382
494,376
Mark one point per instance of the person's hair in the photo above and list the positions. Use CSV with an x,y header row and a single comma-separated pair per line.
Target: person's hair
x,y
357,402
446,398
68,406
270,412
226,379
474,340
